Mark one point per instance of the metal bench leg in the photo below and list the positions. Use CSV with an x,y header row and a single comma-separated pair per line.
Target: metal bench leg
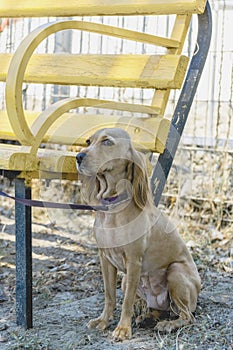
x,y
23,256
180,116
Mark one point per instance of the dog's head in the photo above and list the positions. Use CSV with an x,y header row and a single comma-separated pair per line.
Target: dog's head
x,y
110,165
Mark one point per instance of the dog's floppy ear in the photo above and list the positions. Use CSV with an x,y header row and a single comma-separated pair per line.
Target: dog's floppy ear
x,y
93,187
137,174
90,188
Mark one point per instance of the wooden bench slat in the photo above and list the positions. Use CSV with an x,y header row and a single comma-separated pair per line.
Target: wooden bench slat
x,y
46,8
74,129
48,161
156,71
6,131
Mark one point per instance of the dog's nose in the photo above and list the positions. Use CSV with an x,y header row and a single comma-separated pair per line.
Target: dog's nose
x,y
80,156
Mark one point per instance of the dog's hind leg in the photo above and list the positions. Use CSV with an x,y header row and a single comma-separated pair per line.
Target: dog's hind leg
x,y
183,286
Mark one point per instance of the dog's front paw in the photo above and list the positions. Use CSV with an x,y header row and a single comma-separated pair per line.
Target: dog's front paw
x,y
122,332
99,323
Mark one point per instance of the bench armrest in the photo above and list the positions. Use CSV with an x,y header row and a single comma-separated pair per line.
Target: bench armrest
x,y
56,110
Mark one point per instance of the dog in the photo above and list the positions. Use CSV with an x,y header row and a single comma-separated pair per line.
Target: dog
x,y
134,237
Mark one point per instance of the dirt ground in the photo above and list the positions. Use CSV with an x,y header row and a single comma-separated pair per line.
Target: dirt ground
x,y
68,288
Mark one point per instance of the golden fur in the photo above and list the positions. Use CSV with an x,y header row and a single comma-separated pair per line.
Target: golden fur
x,y
134,237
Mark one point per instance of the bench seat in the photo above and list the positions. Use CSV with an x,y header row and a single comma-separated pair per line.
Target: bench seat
x,y
47,164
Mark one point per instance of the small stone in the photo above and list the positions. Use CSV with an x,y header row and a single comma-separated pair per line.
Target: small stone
x,y
3,326
3,339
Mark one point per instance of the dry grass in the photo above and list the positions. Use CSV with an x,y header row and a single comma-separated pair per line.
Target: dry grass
x,y
68,288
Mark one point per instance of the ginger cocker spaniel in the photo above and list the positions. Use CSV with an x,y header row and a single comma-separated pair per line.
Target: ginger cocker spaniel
x,y
134,237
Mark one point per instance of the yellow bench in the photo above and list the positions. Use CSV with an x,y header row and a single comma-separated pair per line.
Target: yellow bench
x,y
56,124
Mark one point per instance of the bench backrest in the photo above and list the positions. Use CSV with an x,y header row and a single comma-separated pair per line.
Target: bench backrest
x,y
162,73
50,8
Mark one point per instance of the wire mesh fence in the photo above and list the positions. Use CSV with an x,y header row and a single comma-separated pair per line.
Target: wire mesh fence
x,y
202,171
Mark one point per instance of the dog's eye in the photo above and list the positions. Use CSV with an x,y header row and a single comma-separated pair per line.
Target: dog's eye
x,y
88,142
107,142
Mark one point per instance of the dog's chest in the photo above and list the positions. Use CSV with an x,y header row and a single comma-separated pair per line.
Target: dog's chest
x,y
116,257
